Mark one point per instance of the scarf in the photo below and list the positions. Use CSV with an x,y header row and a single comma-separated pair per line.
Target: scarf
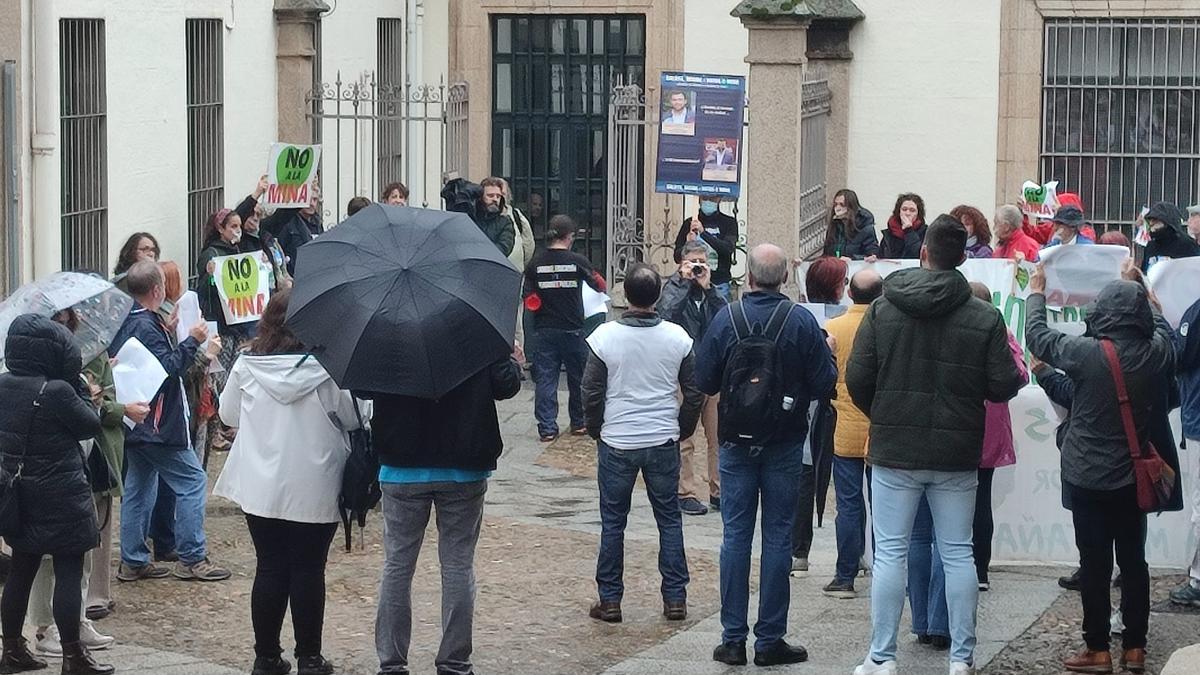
x,y
897,228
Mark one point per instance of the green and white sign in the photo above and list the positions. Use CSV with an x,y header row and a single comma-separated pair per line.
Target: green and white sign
x,y
291,173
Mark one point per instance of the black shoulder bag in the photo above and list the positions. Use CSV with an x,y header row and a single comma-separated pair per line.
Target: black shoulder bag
x,y
10,492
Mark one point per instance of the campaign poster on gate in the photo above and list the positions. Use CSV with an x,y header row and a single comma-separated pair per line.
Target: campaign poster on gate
x,y
243,285
700,134
292,174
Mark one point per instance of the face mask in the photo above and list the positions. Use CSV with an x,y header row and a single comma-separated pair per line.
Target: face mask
x,y
235,236
839,211
493,209
708,208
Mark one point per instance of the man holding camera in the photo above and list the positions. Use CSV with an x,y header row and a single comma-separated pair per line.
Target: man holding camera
x,y
690,299
718,231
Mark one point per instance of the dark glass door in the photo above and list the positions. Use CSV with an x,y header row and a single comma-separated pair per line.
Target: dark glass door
x,y
551,81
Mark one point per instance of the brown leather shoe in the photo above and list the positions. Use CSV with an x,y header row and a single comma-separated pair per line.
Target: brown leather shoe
x,y
1088,661
608,612
675,610
1134,660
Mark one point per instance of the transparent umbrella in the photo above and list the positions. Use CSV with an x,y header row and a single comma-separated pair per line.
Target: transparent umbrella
x,y
101,308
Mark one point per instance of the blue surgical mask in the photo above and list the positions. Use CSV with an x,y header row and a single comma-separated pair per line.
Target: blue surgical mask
x,y
708,208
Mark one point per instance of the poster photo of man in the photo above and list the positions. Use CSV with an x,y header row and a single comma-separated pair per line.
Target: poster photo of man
x,y
679,113
720,160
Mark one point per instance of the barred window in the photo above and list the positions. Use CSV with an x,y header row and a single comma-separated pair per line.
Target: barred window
x,y
1119,118
83,119
390,95
206,129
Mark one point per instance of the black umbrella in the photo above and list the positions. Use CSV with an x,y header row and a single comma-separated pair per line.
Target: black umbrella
x,y
404,301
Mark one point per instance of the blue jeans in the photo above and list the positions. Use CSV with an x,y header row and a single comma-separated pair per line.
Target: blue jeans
x,y
926,578
162,521
851,520
896,497
556,348
616,473
774,473
180,470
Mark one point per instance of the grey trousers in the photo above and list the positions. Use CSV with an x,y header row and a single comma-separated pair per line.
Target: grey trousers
x,y
406,514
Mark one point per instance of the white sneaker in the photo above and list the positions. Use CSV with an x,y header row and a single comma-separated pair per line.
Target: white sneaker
x,y
960,668
48,643
869,667
93,639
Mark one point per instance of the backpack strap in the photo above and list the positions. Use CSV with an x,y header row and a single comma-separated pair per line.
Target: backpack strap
x,y
1114,367
741,325
778,320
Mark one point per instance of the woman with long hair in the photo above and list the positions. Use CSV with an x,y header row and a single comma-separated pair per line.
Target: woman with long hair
x,y
138,247
906,228
285,472
979,235
851,233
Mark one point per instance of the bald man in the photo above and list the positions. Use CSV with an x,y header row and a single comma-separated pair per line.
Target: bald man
x,y
850,441
762,447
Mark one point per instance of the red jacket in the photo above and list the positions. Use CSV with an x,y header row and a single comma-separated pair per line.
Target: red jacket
x,y
1019,242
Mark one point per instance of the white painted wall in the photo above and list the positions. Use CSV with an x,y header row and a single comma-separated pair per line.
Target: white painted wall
x,y
147,117
924,98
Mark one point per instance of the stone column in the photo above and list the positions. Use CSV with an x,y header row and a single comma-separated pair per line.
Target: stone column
x,y
829,58
297,65
778,42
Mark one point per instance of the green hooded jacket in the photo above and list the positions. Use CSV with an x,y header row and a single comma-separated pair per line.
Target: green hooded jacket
x,y
111,440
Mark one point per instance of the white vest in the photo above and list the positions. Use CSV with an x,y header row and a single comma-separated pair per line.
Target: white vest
x,y
641,409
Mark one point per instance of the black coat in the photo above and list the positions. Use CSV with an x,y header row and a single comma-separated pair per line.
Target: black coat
x,y
723,241
864,243
292,230
677,304
44,416
906,248
206,288
1169,242
457,431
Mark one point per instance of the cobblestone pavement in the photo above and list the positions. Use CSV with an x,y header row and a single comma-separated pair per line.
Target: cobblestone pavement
x,y
535,566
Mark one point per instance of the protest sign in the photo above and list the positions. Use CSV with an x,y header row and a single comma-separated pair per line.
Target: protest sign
x,y
700,135
1075,274
290,174
243,285
1176,284
1040,201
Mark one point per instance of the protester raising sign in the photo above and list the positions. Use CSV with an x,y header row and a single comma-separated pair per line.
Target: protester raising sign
x,y
291,174
1039,201
243,285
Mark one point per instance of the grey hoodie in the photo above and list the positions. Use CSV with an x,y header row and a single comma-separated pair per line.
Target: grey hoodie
x,y
1095,453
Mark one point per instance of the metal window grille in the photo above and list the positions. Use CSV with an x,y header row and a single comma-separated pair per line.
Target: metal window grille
x,y
84,133
206,128
389,75
1120,124
553,78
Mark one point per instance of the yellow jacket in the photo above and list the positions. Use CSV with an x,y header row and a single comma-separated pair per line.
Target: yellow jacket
x,y
850,435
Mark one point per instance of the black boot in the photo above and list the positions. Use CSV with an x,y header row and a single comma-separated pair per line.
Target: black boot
x,y
313,665
17,658
271,665
78,661
1071,583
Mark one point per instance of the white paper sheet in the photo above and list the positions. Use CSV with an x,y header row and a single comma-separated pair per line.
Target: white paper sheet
x,y
594,302
823,313
188,311
1176,284
215,365
137,375
1075,274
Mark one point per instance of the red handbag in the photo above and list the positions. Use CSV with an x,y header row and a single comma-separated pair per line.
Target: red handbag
x,y
1155,478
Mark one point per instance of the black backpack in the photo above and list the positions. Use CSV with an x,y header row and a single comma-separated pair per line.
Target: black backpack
x,y
360,481
752,405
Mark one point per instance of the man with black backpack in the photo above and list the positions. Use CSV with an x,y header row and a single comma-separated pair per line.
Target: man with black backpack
x,y
767,359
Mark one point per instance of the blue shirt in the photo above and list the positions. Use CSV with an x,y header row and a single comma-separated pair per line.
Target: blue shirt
x,y
396,474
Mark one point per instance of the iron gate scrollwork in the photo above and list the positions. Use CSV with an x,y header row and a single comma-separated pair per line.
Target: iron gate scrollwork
x,y
376,133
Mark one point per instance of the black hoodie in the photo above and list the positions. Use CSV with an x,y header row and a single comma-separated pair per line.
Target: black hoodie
x,y
1168,242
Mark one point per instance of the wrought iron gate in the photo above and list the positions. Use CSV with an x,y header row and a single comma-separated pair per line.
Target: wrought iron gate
x,y
373,134
814,115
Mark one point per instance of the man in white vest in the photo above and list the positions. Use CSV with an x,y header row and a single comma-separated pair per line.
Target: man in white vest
x,y
636,366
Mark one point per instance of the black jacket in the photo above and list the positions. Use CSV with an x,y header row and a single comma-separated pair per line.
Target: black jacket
x,y
677,304
721,233
864,243
457,431
1169,242
1095,453
908,247
44,415
926,357
292,230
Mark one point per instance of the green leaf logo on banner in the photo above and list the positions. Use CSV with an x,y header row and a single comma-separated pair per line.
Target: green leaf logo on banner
x,y
239,279
1036,195
1022,277
294,166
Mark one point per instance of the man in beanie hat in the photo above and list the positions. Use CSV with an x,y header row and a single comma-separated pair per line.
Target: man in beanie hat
x,y
1167,236
1067,223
